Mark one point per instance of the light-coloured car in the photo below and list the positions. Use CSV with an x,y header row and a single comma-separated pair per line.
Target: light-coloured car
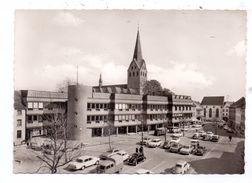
x,y
124,155
145,141
181,167
175,140
143,171
180,134
225,127
186,149
154,143
109,153
196,136
83,162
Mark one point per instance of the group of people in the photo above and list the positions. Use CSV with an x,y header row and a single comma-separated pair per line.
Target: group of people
x,y
140,149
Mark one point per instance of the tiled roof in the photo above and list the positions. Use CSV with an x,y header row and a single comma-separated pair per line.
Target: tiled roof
x,y
239,103
46,94
121,88
213,100
18,104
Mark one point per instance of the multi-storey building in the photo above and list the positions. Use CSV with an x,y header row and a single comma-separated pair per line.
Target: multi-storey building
x,y
197,112
121,109
212,106
19,119
237,115
32,111
107,109
225,110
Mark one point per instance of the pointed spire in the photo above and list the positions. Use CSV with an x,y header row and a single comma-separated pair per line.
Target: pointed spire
x,y
100,81
138,51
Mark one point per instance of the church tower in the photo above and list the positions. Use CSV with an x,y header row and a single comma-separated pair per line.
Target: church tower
x,y
137,71
100,81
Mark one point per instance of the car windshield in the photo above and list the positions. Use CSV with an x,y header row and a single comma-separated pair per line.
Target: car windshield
x,y
155,140
186,147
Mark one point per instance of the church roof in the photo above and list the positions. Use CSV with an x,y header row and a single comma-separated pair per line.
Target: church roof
x,y
137,56
213,100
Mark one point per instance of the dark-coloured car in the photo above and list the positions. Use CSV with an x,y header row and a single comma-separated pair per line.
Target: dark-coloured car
x,y
175,148
200,151
136,158
167,144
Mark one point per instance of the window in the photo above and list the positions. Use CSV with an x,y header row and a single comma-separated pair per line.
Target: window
x,y
29,119
129,74
204,112
217,113
210,113
88,105
92,118
29,105
133,74
19,112
116,118
88,119
41,105
35,118
137,73
35,105
19,122
19,134
40,119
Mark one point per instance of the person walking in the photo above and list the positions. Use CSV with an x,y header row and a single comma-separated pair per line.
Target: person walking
x,y
230,138
136,150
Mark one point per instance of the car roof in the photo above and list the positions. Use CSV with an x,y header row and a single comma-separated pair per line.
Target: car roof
x,y
181,162
84,157
156,139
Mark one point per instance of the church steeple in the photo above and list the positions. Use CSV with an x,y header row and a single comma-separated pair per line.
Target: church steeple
x,y
138,51
100,81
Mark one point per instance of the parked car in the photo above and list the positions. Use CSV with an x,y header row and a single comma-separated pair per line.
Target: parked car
x,y
215,138
175,139
113,164
109,153
199,151
180,134
229,130
145,141
124,155
202,133
83,162
143,171
225,127
186,150
136,158
181,167
154,143
207,137
194,143
196,136
168,144
175,148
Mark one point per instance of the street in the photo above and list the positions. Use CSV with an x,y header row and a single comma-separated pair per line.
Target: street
x,y
223,157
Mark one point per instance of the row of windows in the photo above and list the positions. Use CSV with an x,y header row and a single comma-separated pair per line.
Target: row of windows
x,y
156,116
181,118
32,118
133,74
156,107
35,105
121,118
182,108
213,106
98,106
98,118
128,106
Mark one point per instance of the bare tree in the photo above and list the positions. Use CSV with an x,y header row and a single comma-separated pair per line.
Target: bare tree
x,y
108,131
56,146
63,85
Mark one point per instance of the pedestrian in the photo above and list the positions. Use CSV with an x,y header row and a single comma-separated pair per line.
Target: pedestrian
x,y
141,149
230,138
136,150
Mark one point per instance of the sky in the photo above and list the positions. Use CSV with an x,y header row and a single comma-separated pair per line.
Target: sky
x,y
196,53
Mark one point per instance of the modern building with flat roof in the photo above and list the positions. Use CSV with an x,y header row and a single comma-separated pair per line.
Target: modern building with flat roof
x,y
121,109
